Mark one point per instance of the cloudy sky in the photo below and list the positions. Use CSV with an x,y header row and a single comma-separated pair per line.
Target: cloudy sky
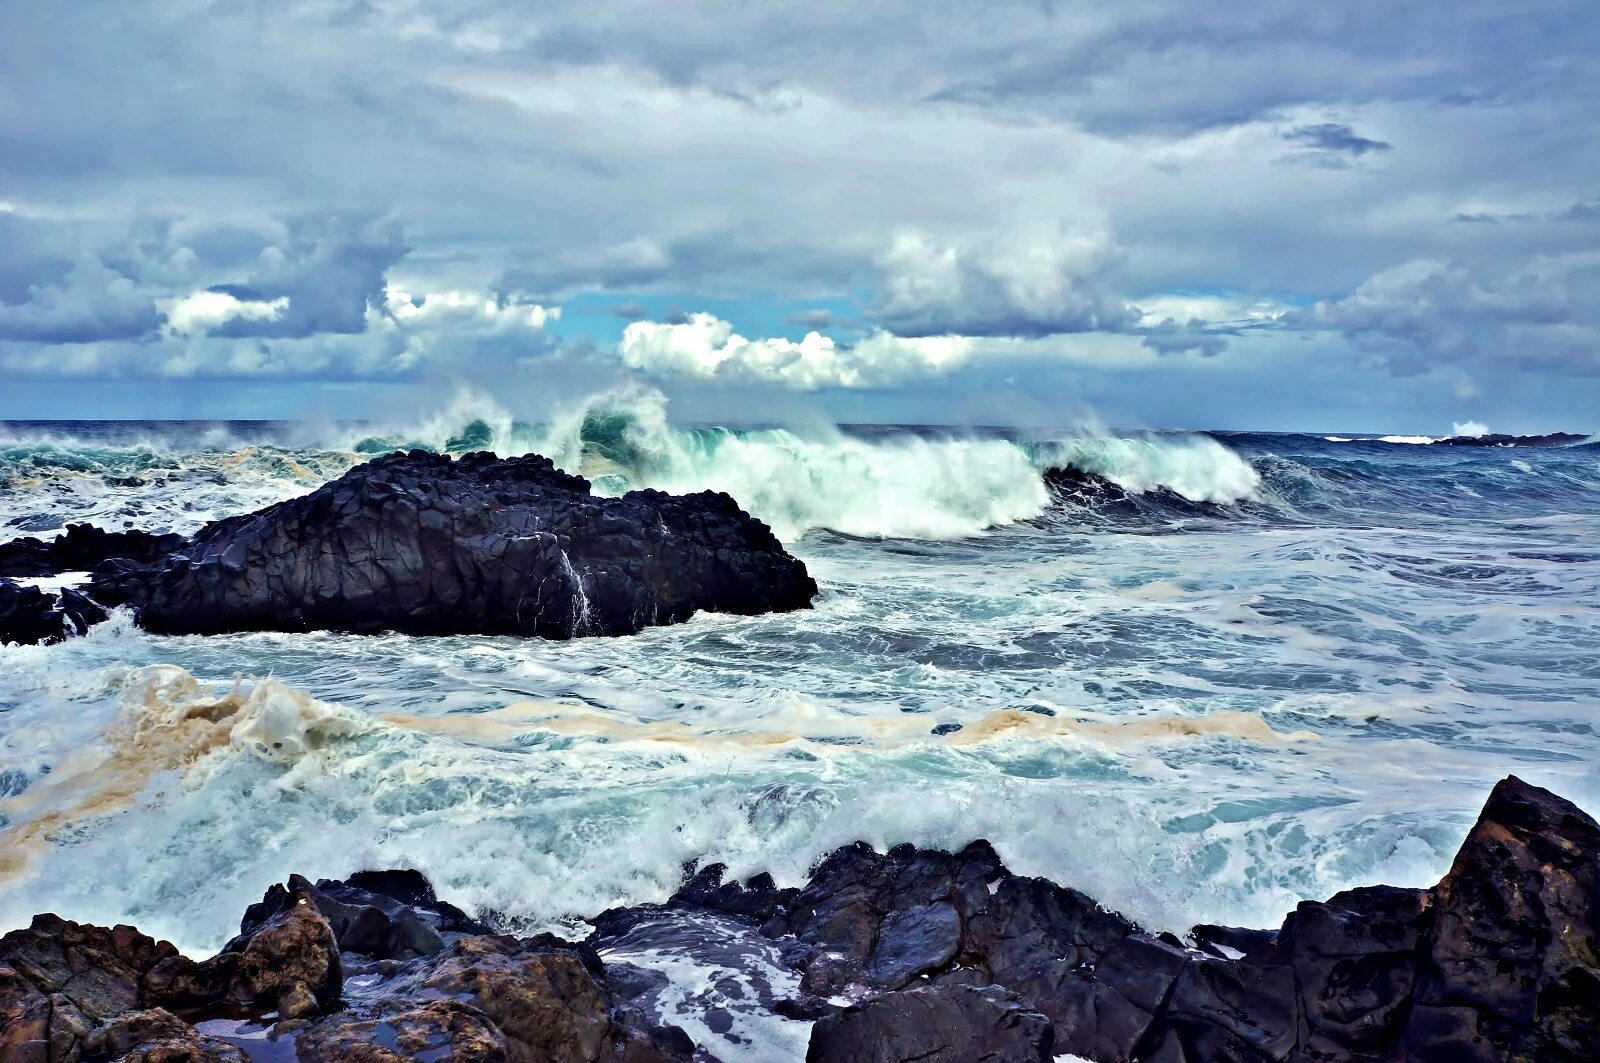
x,y
1260,214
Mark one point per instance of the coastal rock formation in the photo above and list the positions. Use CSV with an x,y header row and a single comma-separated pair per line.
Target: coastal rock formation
x,y
910,955
425,544
83,547
1497,439
30,616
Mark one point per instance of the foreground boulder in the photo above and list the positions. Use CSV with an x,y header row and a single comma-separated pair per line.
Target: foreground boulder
x,y
912,955
425,544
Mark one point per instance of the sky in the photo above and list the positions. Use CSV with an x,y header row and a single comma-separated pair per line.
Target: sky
x,y
1156,213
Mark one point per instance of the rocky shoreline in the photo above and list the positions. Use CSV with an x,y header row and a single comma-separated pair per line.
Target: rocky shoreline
x,y
913,955
423,544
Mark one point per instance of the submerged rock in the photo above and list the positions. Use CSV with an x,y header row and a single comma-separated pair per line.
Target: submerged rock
x,y
909,955
425,544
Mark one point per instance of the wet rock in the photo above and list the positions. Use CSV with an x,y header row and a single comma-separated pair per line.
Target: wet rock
x,y
82,547
380,915
492,998
914,942
1516,926
429,545
156,1036
759,898
289,963
937,1024
30,616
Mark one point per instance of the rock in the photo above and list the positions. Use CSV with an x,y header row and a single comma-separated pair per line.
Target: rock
x,y
914,942
758,899
30,616
940,956
492,998
396,917
1516,926
1497,439
290,962
937,1024
81,548
156,1036
427,545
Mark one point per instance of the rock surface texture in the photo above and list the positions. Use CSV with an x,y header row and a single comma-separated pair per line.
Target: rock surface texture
x,y
429,545
912,955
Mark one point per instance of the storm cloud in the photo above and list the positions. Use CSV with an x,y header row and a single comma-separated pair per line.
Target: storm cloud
x,y
1083,204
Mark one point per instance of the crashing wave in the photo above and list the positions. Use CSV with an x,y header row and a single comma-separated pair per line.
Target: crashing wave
x,y
903,484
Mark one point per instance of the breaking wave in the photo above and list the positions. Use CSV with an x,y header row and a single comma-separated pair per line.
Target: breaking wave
x,y
905,484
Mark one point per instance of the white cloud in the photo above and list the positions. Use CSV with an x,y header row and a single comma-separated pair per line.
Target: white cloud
x,y
707,347
204,310
1036,285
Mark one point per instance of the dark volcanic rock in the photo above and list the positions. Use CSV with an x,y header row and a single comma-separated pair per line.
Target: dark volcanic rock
x,y
1554,439
427,545
936,1024
83,547
490,998
942,956
31,616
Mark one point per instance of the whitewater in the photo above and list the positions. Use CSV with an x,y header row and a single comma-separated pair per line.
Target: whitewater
x,y
1198,676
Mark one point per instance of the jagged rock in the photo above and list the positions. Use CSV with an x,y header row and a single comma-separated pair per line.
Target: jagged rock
x,y
1516,933
935,1024
290,962
82,547
30,616
493,998
427,545
946,956
395,917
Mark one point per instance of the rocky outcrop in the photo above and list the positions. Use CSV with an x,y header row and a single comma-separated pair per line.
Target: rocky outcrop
x,y
1496,439
429,545
30,616
909,955
83,547
1500,961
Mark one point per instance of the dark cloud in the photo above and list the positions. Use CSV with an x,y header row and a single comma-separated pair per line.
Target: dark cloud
x,y
630,311
1173,337
163,159
1336,138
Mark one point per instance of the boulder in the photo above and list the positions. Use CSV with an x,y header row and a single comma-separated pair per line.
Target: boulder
x,y
429,545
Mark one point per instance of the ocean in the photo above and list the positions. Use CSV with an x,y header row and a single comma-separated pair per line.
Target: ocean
x,y
1199,676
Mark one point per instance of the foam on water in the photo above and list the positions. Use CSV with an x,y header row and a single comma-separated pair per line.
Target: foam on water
x,y
1315,693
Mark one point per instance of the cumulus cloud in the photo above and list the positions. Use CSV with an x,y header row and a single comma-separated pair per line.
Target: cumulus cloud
x,y
706,347
91,302
205,310
1427,312
1038,286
